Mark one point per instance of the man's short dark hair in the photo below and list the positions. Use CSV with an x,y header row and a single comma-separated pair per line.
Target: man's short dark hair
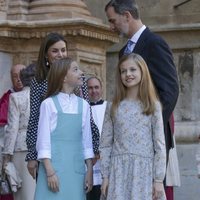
x,y
95,77
120,6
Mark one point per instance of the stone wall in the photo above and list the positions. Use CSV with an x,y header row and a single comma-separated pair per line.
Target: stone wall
x,y
24,25
178,22
84,24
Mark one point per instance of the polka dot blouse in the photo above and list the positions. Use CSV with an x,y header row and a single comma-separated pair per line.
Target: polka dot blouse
x,y
37,94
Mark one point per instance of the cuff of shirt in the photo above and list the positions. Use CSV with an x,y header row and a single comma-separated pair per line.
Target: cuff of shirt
x,y
31,155
88,153
43,154
158,181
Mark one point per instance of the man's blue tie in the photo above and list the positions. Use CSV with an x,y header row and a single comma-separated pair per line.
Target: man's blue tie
x,y
128,48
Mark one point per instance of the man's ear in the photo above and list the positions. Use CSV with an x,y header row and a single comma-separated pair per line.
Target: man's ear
x,y
127,15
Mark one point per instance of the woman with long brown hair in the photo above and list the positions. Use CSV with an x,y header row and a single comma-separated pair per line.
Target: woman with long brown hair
x,y
53,47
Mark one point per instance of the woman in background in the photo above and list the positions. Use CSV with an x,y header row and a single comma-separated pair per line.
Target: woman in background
x,y
53,47
15,149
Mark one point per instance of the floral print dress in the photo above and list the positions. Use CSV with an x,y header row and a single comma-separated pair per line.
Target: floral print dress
x,y
132,151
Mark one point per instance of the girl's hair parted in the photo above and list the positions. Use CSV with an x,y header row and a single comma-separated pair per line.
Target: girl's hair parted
x,y
56,75
146,94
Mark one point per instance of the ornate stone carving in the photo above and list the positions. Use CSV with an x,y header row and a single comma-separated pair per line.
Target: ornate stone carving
x,y
3,5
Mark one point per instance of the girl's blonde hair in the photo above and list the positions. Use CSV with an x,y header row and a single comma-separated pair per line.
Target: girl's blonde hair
x,y
56,75
146,93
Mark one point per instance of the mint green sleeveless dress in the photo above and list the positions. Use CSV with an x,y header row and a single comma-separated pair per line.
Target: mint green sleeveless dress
x,y
67,158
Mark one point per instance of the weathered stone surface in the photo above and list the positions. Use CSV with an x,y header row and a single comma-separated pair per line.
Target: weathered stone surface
x,y
178,22
190,184
88,38
23,24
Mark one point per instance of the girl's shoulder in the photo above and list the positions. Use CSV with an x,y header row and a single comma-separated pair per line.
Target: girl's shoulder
x,y
158,105
47,101
85,103
158,108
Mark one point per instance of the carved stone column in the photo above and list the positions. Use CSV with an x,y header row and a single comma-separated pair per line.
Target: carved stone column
x,y
3,9
88,38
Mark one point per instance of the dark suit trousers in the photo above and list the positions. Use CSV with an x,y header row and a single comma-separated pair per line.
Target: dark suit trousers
x,y
95,193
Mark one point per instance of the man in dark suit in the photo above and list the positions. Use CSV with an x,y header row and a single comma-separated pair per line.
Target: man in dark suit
x,y
124,19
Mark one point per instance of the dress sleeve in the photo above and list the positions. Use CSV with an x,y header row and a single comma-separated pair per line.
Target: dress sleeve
x,y
37,92
13,126
43,144
159,144
106,143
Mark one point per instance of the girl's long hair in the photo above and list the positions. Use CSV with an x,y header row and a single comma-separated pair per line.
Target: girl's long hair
x,y
146,94
42,69
56,75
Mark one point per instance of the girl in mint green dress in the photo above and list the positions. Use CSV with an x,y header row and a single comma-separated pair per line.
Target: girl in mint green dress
x,y
64,141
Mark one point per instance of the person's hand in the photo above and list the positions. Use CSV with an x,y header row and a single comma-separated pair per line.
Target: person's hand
x,y
104,187
88,181
94,160
53,182
6,158
32,166
158,190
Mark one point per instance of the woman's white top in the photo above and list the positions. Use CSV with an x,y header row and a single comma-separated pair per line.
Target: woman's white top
x,y
48,121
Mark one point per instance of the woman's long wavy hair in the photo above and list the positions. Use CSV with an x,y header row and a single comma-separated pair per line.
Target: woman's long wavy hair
x,y
146,94
41,68
56,75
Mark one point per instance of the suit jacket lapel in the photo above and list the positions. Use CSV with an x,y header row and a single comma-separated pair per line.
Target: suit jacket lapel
x,y
141,42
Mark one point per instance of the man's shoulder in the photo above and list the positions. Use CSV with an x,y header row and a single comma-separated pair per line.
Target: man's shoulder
x,y
151,36
6,95
23,92
7,92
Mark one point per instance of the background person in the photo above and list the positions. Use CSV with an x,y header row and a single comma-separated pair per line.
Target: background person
x,y
16,86
15,149
98,105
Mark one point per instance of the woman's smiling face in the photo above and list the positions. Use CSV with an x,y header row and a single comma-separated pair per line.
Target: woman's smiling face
x,y
57,51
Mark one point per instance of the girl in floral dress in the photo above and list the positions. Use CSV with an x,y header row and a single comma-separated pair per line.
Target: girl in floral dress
x,y
132,148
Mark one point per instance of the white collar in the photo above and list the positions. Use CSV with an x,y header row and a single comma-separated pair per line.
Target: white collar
x,y
136,36
66,95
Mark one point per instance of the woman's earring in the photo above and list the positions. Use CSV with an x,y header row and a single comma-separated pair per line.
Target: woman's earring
x,y
47,62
